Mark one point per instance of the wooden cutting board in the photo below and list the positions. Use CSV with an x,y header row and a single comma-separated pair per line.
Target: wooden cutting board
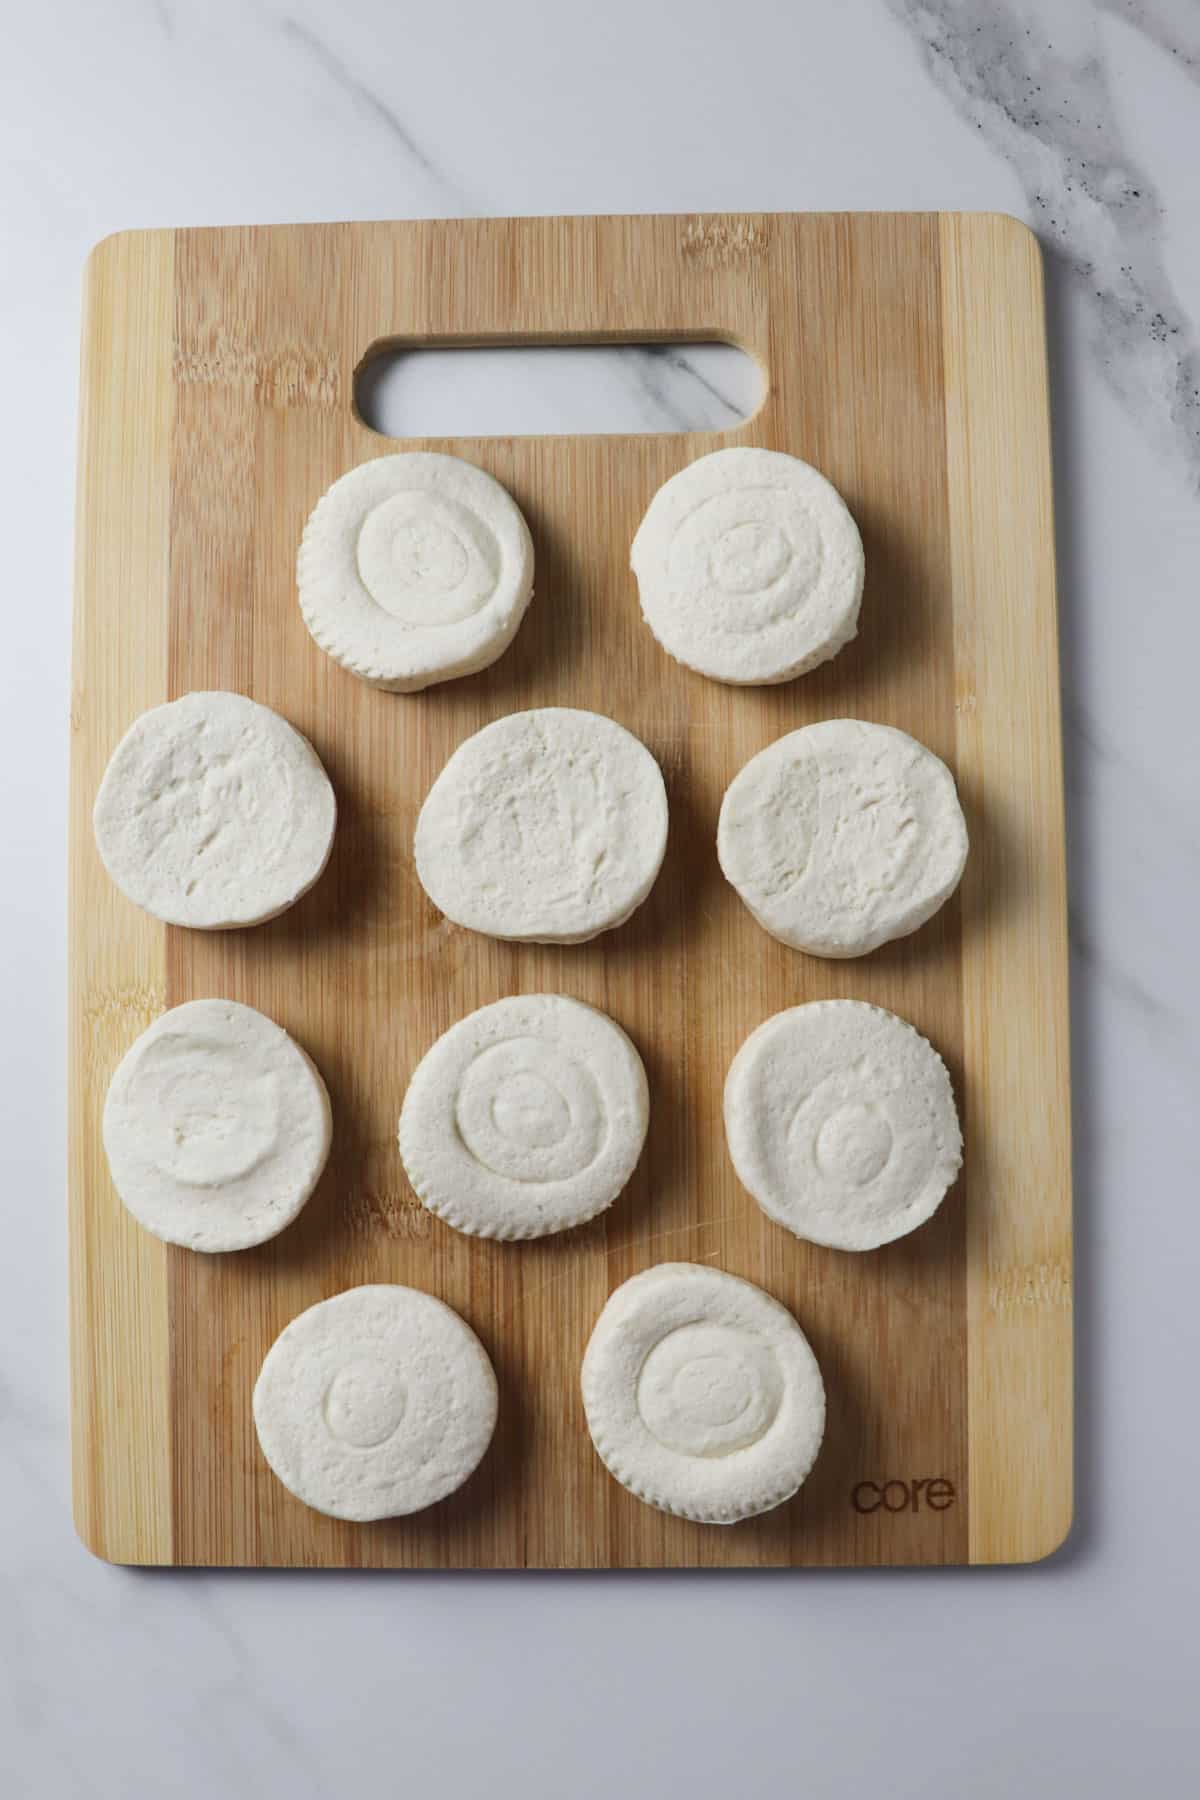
x,y
905,357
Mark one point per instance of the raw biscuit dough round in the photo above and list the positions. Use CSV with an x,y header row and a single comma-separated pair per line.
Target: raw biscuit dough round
x,y
214,813
216,1126
526,1117
702,1394
840,1120
842,836
749,567
375,1403
545,827
415,568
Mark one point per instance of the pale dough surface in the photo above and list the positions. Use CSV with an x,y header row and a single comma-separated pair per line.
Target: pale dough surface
x,y
702,1394
216,1127
842,836
375,1403
525,1118
749,567
840,1120
415,568
214,812
547,826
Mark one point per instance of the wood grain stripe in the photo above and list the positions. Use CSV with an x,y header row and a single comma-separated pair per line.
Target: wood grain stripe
x,y
1014,894
210,644
860,395
120,1397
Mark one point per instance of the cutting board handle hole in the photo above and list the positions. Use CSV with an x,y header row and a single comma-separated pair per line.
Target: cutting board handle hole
x,y
532,390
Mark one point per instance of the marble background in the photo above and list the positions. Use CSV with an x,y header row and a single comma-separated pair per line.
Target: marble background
x,y
1079,1677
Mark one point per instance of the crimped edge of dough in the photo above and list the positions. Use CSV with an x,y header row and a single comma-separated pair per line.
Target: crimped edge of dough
x,y
309,573
805,666
497,1233
652,1496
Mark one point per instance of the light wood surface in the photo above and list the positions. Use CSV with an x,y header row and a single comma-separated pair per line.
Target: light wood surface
x,y
1009,763
905,357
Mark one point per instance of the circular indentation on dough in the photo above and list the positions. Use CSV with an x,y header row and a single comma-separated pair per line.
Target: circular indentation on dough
x,y
842,836
430,557
707,1390
208,1119
415,568
702,1394
214,813
547,826
528,1110
375,1403
365,1402
427,561
749,556
840,1120
749,567
854,1144
525,1118
216,1126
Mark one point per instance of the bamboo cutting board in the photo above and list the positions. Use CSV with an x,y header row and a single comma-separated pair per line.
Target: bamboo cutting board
x,y
905,357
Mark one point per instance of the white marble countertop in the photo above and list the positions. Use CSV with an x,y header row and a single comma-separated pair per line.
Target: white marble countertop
x,y
1075,1678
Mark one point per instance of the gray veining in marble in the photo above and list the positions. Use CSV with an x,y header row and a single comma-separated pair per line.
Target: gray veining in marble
x,y
362,96
1174,25
1034,80
668,389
